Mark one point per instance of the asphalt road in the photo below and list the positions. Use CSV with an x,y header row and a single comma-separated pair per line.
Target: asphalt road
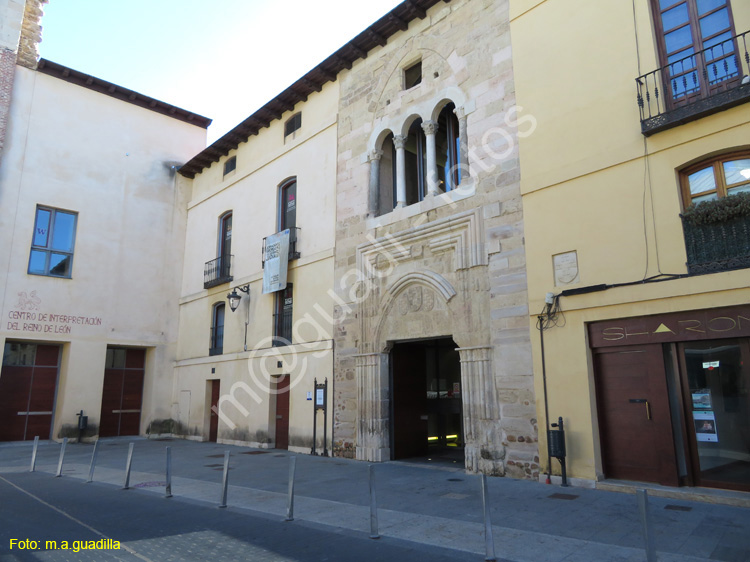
x,y
38,507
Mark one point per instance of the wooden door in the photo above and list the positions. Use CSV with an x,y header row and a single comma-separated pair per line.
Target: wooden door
x,y
28,383
213,426
409,396
282,413
634,418
122,392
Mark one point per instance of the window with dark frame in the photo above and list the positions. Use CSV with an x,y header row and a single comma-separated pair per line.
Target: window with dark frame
x,y
716,178
696,47
288,205
413,75
282,318
216,346
292,125
53,242
230,165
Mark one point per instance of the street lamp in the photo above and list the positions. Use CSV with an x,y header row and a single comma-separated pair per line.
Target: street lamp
x,y
234,297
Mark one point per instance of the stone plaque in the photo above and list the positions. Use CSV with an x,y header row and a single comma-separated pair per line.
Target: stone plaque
x,y
565,266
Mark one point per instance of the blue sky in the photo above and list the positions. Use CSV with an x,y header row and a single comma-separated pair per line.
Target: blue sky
x,y
219,58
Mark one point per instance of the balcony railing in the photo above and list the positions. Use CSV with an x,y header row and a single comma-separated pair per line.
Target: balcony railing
x,y
719,246
217,271
282,324
216,344
293,253
698,85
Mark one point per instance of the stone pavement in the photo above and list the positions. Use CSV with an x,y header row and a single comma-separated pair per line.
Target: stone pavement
x,y
432,506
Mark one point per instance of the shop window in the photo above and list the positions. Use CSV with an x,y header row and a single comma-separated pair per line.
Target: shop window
x,y
52,243
216,346
715,179
292,125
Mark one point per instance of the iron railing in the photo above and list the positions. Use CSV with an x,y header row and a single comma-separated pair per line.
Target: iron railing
x,y
216,343
719,246
692,87
282,328
293,253
217,271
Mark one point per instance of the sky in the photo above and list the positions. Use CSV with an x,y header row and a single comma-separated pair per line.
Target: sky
x,y
222,59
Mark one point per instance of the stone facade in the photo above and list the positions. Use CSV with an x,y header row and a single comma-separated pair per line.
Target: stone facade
x,y
450,265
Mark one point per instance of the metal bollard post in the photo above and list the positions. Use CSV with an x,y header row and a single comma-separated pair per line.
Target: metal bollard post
x,y
373,505
33,454
92,464
129,462
290,498
62,456
489,543
225,480
168,491
646,525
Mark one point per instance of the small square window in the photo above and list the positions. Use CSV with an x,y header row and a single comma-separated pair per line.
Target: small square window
x,y
52,243
292,125
413,75
230,165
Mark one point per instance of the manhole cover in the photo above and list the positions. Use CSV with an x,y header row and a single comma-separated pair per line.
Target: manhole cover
x,y
563,496
150,484
455,479
255,453
678,507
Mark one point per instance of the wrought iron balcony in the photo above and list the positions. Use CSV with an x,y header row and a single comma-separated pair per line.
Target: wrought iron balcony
x,y
216,344
718,246
698,85
293,253
217,272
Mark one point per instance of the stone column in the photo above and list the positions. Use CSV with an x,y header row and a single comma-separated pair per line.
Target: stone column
x,y
483,450
399,141
430,128
372,407
463,143
374,193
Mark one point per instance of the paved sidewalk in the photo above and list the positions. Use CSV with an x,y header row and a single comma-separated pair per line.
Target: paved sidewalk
x,y
437,506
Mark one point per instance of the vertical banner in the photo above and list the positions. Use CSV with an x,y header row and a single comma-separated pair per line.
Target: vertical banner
x,y
276,262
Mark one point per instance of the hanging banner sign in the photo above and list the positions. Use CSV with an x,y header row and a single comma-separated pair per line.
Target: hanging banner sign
x,y
276,262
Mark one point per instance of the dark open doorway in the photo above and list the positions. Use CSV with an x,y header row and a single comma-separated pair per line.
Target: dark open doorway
x,y
426,409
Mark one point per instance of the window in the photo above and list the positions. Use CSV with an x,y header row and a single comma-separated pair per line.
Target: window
x,y
52,243
288,205
217,330
225,245
696,46
447,147
292,125
282,318
230,165
720,177
413,75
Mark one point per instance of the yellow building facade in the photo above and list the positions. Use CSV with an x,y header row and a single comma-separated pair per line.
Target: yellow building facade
x,y
641,111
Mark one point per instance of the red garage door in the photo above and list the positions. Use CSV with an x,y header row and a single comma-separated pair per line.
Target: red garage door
x,y
28,382
122,393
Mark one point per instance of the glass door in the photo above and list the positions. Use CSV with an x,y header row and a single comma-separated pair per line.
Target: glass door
x,y
717,376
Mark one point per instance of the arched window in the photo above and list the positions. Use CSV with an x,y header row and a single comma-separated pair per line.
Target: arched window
x,y
387,177
447,148
414,163
216,345
716,178
288,204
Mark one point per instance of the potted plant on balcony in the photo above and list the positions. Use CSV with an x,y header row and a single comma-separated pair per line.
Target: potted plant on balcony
x,y
717,234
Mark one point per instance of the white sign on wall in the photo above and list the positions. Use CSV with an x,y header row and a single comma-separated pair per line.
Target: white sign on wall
x,y
276,262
